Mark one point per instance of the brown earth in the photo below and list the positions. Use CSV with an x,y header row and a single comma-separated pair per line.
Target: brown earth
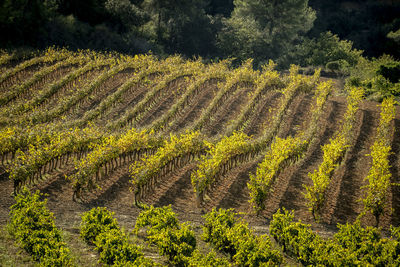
x,y
262,114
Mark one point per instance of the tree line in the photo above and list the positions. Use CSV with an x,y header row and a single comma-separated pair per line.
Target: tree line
x,y
305,32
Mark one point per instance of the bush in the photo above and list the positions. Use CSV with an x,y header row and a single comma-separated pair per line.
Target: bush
x,y
390,71
176,241
155,220
353,245
97,221
338,65
98,227
113,247
32,225
215,228
178,244
230,235
326,51
209,260
70,32
379,77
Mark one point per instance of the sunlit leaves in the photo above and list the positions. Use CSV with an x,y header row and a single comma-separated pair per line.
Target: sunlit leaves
x,y
333,154
379,175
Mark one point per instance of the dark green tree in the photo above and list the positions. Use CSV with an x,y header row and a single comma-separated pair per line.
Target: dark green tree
x,y
22,20
326,51
125,14
90,11
179,25
222,7
264,29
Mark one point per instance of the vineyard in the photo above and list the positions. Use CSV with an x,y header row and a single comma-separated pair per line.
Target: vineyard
x,y
110,140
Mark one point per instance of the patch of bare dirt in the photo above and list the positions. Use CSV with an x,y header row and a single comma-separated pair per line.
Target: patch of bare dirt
x,y
193,110
288,190
262,114
296,115
20,77
355,169
105,89
170,96
128,100
216,125
69,89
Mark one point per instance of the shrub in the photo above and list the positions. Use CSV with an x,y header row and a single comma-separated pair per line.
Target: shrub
x,y
100,228
33,226
379,77
230,235
97,221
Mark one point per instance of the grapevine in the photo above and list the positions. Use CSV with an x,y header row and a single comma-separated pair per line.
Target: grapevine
x,y
173,239
283,152
214,72
33,227
50,55
230,235
154,96
149,66
219,159
379,175
20,90
40,157
66,104
297,84
50,90
268,80
333,154
352,245
100,228
175,153
108,155
244,74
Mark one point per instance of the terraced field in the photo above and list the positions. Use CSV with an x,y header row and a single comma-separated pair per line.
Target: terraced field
x,y
61,112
